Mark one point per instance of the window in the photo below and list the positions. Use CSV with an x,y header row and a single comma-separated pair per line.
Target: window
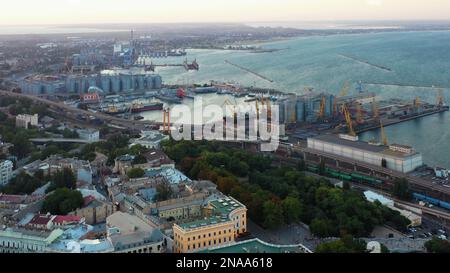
x,y
209,234
220,241
209,242
204,244
220,232
199,237
189,239
189,247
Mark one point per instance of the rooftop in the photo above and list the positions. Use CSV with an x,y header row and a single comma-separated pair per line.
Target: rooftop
x,y
257,246
361,145
172,175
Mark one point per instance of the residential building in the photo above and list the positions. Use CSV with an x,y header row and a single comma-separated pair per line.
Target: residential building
x,y
94,211
150,139
225,220
89,135
24,120
129,234
5,147
6,171
18,240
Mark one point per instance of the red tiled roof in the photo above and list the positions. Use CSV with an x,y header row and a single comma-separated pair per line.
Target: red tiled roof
x,y
40,220
60,219
88,200
16,199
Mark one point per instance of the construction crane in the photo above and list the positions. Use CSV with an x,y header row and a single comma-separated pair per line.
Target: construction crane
x,y
383,135
349,121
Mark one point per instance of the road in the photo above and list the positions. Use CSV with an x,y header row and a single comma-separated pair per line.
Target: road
x,y
129,124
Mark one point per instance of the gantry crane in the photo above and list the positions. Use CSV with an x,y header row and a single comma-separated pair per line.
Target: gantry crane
x,y
349,121
383,134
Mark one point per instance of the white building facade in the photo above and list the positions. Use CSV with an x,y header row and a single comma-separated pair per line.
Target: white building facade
x,y
6,170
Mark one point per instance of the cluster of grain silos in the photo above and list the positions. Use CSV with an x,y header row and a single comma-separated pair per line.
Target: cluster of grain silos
x,y
305,108
114,82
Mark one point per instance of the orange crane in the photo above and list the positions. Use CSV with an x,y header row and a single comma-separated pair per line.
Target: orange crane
x,y
359,115
417,102
440,98
383,134
345,89
322,107
166,120
349,121
375,110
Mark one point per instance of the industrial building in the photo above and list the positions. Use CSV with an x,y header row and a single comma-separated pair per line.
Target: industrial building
x,y
42,84
306,108
395,157
112,81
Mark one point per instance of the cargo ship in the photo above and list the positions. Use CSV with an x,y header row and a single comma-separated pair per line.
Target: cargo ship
x,y
143,107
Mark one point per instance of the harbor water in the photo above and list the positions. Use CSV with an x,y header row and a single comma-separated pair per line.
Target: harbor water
x,y
412,59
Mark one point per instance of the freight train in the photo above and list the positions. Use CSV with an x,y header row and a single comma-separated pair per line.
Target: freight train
x,y
344,176
434,201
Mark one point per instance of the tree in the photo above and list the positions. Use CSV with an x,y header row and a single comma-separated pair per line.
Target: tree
x,y
402,190
139,159
164,192
135,173
301,165
62,201
273,213
23,184
347,244
437,245
292,209
63,179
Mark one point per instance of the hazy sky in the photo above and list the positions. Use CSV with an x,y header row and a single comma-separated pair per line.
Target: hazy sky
x,y
15,12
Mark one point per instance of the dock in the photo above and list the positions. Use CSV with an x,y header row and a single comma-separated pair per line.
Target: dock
x,y
366,62
390,122
249,71
405,85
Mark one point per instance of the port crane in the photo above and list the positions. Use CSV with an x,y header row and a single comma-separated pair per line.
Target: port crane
x,y
417,102
375,110
440,98
322,108
343,93
383,135
166,120
348,119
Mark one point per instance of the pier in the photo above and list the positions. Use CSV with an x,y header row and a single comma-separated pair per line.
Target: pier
x,y
405,85
249,71
365,62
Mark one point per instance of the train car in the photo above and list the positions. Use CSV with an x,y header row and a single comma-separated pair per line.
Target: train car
x,y
367,179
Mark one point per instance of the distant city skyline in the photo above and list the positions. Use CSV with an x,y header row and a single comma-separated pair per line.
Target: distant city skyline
x,y
26,12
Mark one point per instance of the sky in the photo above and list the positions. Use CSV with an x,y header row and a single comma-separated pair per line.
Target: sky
x,y
30,12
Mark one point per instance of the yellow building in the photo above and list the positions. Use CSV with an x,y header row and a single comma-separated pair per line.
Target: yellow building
x,y
227,218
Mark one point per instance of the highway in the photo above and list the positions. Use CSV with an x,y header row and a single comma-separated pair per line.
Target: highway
x,y
129,124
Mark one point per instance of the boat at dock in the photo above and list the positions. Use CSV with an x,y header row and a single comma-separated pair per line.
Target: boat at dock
x,y
144,107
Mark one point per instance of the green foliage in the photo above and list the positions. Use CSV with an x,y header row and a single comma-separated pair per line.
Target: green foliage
x,y
164,192
274,214
63,179
347,244
278,195
62,201
402,190
135,173
24,184
437,245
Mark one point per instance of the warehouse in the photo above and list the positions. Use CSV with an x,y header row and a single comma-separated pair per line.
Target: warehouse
x,y
395,157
